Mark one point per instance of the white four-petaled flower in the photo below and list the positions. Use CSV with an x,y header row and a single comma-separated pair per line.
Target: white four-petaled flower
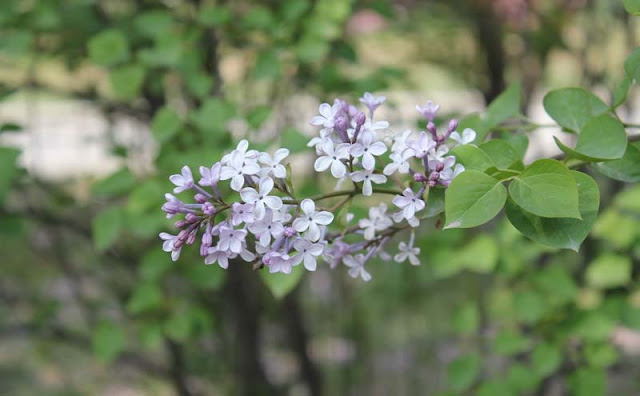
x,y
366,177
183,181
308,252
422,146
236,169
327,115
261,198
468,136
368,149
356,265
311,220
272,165
408,251
377,221
333,157
409,203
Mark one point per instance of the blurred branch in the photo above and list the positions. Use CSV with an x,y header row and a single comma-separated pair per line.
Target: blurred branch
x,y
177,369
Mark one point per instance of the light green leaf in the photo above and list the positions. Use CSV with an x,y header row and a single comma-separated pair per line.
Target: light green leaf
x,y
179,326
602,138
588,382
213,115
466,319
545,359
472,157
116,184
435,202
165,124
509,342
494,388
621,91
109,48
146,296
529,306
572,108
282,284
258,115
632,65
560,232
472,199
594,326
214,15
609,270
126,81
625,169
106,227
480,255
502,154
463,371
154,23
616,228
8,169
556,283
267,65
108,341
632,6
505,106
521,380
154,264
600,354
546,188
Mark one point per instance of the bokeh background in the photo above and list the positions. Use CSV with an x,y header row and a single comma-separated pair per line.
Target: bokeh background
x,y
102,100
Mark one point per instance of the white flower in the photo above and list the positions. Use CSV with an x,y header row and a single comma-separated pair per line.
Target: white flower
x,y
408,252
168,246
261,198
231,240
400,141
279,262
333,158
241,213
439,153
308,252
356,265
429,110
400,163
210,176
266,228
422,146
468,136
367,177
447,163
447,175
183,181
409,203
221,256
377,221
372,102
238,166
241,149
311,220
272,165
367,149
327,115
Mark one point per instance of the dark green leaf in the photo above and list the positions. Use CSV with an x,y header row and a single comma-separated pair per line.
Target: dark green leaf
x,y
472,199
545,359
602,138
505,106
625,169
472,157
126,81
116,184
502,154
572,108
588,382
8,169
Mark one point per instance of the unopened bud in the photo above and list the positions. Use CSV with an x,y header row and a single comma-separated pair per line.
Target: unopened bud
x,y
208,209
289,232
419,177
191,238
434,176
180,224
182,236
439,167
360,118
191,218
207,239
341,123
453,125
200,198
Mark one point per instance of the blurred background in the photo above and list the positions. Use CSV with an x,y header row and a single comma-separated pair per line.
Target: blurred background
x,y
102,100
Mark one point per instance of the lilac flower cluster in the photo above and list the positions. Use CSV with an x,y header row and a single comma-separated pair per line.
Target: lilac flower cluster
x,y
257,218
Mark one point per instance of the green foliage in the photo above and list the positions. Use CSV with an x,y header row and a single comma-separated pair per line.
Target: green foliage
x,y
572,108
127,81
472,199
609,270
8,169
463,371
109,48
632,6
602,138
108,341
165,124
106,227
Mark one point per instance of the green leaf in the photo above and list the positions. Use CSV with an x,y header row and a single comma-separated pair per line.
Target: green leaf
x,y
205,276
108,341
625,169
146,296
505,106
602,138
529,306
477,123
632,6
214,15
295,141
556,283
258,115
108,48
472,157
621,91
559,232
106,227
594,326
600,354
616,228
502,154
267,65
165,124
609,270
463,371
509,342
435,202
213,115
521,380
179,326
154,264
116,184
494,388
546,188
545,359
472,199
8,169
466,319
572,108
588,382
632,65
480,255
199,84
154,23
282,284
519,142
126,81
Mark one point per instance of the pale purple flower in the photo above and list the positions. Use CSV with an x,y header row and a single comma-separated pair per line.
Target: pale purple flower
x,y
400,163
242,213
439,153
219,256
237,167
183,182
266,228
429,110
447,175
367,148
366,177
168,245
336,252
231,239
356,266
333,158
468,136
272,165
243,150
400,141
279,262
261,197
311,220
372,102
422,146
377,221
172,206
308,253
210,176
408,251
409,203
327,115
442,164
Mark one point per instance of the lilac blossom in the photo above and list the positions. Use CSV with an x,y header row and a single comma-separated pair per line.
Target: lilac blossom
x,y
210,176
356,266
409,202
377,221
183,181
266,228
429,110
169,245
366,177
367,148
242,213
327,115
237,168
308,252
261,198
231,239
333,157
422,146
311,221
408,251
468,136
273,165
372,102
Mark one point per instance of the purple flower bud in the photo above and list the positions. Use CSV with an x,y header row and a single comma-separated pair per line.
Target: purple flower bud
x,y
289,232
208,209
434,176
180,224
191,218
439,167
432,129
419,177
341,123
182,236
204,250
429,110
200,198
207,239
453,125
191,238
432,183
360,118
